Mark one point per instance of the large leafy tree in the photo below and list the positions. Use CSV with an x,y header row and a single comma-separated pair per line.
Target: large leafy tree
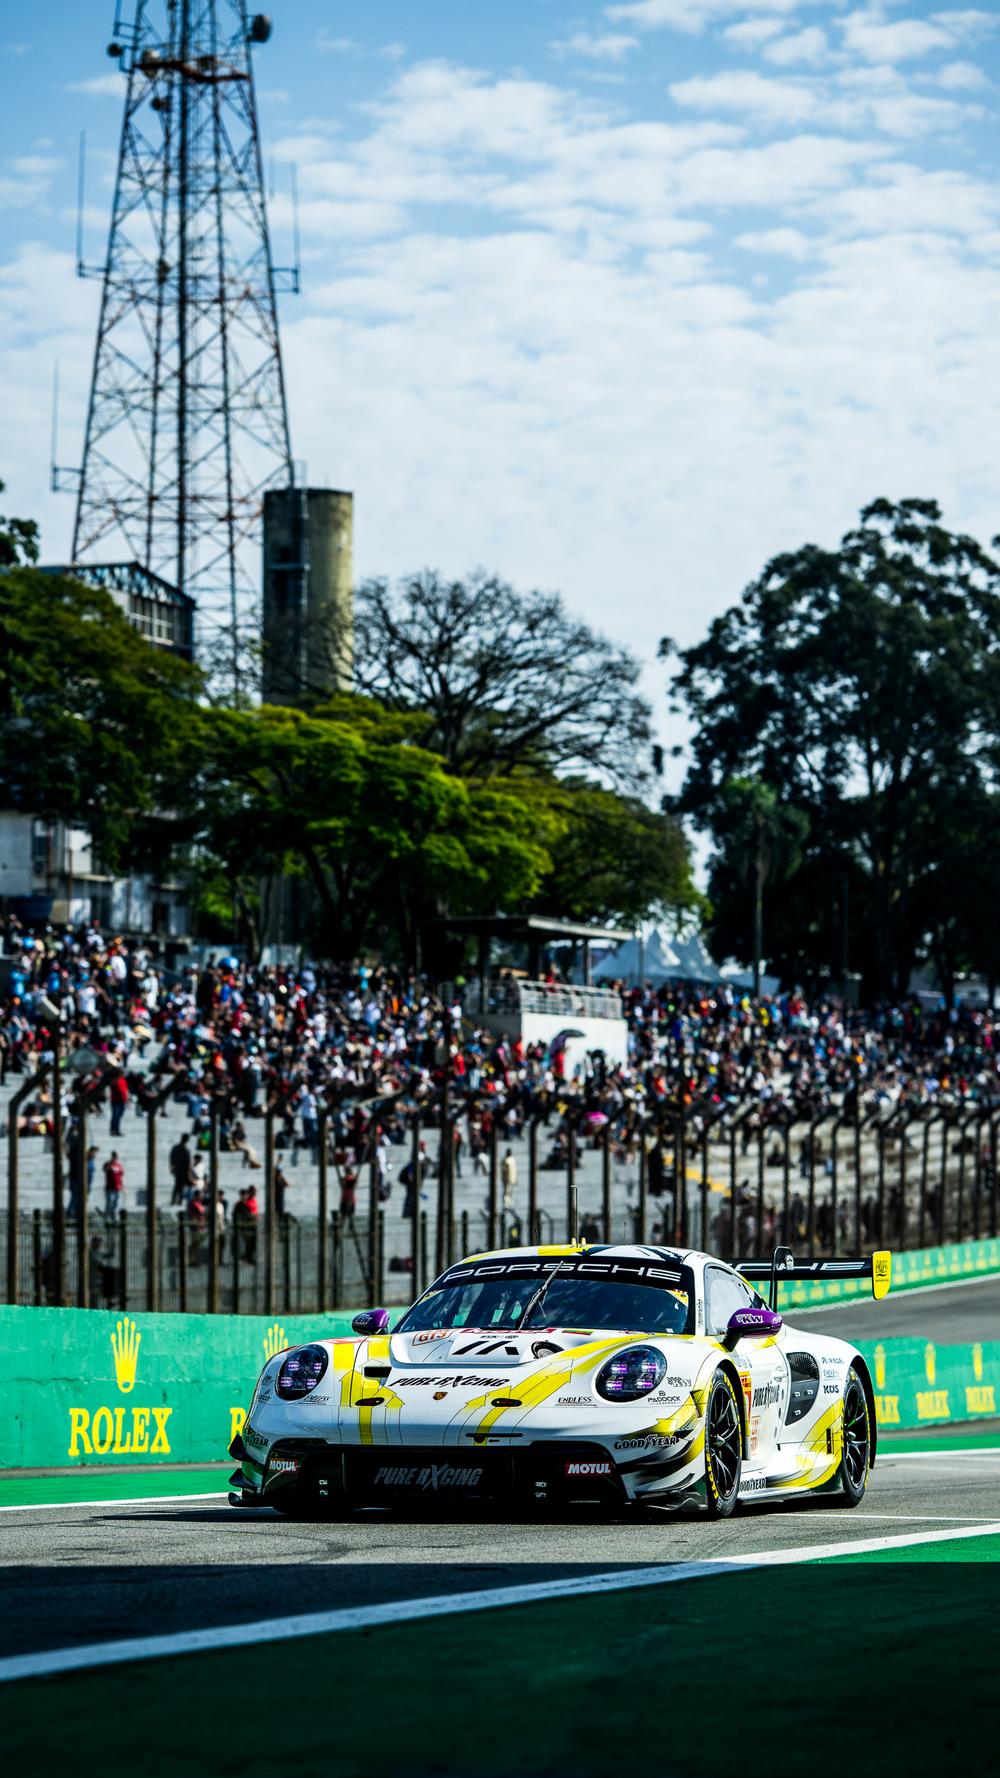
x,y
507,680
614,859
94,720
862,686
347,797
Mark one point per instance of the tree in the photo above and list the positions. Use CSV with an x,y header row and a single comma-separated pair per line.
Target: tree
x,y
18,541
614,859
863,686
759,843
507,679
94,719
385,834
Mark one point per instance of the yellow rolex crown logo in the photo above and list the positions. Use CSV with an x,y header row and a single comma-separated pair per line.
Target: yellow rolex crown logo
x,y
880,1367
125,1342
930,1363
274,1340
977,1361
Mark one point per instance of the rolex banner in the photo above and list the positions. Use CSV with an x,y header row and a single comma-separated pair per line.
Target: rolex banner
x,y
90,1386
920,1384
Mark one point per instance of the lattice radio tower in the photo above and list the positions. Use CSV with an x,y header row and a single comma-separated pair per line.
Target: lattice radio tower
x,y
187,422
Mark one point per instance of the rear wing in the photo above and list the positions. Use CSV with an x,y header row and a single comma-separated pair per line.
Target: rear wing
x,y
784,1265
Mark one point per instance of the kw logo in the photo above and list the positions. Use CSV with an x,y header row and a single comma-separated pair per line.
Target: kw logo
x,y
880,1367
930,1363
274,1340
125,1343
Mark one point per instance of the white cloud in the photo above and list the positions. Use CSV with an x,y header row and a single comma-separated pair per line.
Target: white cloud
x,y
784,243
962,77
867,34
611,47
750,33
869,99
756,95
110,86
807,47
691,15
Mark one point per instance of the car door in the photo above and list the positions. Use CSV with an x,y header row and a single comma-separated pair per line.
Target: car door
x,y
767,1396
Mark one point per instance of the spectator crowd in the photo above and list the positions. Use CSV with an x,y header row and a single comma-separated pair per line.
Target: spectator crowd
x,y
368,1044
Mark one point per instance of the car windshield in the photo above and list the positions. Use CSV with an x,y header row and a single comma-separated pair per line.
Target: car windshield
x,y
578,1294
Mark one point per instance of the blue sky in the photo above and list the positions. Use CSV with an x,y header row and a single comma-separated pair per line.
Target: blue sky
x,y
619,299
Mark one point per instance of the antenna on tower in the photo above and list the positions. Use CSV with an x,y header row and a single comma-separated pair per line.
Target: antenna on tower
x,y
62,480
187,421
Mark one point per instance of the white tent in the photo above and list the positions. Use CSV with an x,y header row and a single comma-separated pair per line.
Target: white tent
x,y
659,956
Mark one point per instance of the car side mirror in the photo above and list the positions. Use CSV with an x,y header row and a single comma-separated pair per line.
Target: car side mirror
x,y
753,1324
371,1321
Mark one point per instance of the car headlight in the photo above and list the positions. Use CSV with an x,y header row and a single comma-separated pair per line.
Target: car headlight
x,y
301,1372
631,1374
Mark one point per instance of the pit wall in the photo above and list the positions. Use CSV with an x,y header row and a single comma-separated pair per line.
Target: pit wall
x,y
86,1387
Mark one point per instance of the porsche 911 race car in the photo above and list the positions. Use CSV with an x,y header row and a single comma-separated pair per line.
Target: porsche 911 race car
x,y
578,1374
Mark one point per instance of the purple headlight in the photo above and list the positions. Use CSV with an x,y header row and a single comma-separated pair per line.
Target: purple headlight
x,y
631,1374
301,1372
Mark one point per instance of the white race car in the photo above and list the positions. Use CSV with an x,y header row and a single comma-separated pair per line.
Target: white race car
x,y
578,1374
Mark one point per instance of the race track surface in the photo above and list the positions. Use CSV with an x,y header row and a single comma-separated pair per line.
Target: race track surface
x,y
949,1314
75,1575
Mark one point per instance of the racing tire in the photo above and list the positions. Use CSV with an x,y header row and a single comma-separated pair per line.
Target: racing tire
x,y
723,1447
857,1431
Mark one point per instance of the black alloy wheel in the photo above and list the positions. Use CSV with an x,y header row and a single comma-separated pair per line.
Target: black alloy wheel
x,y
856,1456
723,1447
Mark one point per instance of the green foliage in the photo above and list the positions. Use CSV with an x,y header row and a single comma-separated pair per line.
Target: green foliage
x,y
614,860
862,686
18,541
94,718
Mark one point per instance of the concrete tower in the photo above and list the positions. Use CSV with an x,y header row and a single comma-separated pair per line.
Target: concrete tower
x,y
308,615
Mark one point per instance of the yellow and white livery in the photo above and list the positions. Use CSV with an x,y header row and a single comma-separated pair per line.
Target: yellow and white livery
x,y
551,1376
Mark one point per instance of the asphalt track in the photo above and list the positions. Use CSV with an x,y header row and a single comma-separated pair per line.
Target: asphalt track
x,y
85,1574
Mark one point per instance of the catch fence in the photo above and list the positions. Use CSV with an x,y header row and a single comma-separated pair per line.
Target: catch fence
x,y
719,1177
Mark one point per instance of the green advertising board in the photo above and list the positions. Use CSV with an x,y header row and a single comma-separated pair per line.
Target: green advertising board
x,y
926,1265
90,1386
918,1383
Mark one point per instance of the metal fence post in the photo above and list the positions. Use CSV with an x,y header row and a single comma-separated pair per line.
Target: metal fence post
x,y
640,1212
491,1199
58,1224
36,1257
152,1227
269,1231
213,1205
570,1177
182,1257
532,1178
322,1290
419,1271
373,1208
336,1257
123,1259
14,1104
606,1181
82,1209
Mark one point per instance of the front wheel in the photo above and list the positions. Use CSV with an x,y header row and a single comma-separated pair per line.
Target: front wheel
x,y
723,1448
856,1458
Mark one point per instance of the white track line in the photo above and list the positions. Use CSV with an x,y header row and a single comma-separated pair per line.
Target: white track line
x,y
72,1506
397,1611
861,1302
990,1452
